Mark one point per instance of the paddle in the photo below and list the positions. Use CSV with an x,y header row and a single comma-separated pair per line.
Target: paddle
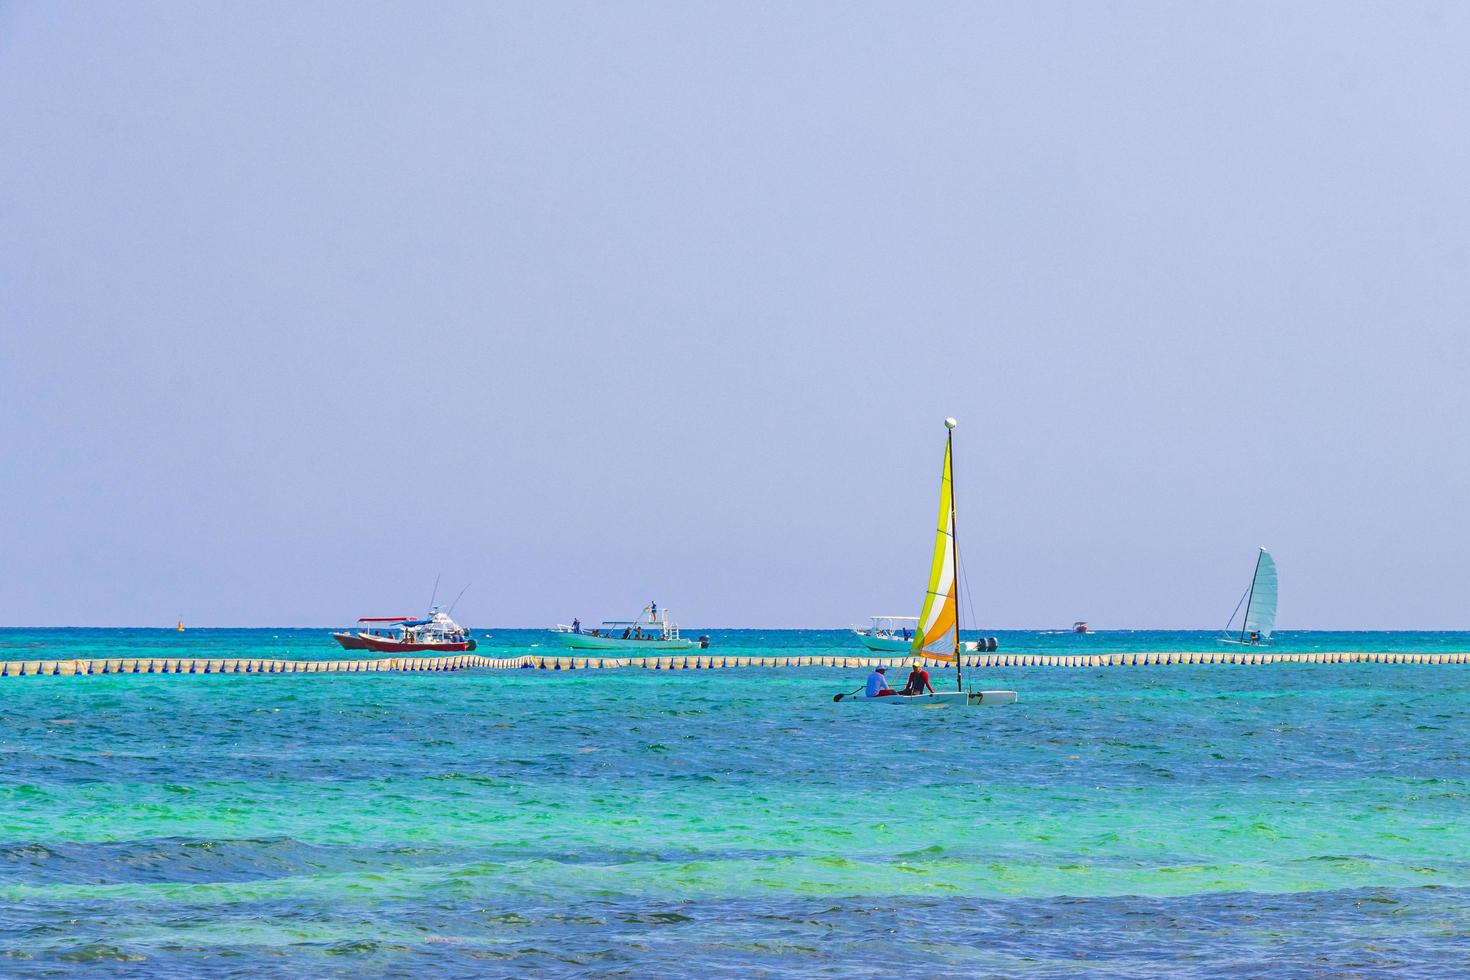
x,y
839,697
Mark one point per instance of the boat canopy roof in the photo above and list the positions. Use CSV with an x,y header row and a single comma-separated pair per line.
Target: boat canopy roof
x,y
382,619
896,619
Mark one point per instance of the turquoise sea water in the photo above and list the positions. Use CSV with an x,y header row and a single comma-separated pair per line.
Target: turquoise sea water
x,y
1291,819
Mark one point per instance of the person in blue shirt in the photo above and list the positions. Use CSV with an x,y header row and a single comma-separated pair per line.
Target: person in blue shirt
x,y
878,684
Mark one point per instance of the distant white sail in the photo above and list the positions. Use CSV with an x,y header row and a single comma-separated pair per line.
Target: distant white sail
x,y
1260,614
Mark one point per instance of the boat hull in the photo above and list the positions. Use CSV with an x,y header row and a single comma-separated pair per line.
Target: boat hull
x,y
380,644
349,641
880,644
586,641
940,699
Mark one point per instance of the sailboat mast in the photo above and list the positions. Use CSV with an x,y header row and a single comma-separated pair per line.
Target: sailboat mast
x,y
954,553
1245,620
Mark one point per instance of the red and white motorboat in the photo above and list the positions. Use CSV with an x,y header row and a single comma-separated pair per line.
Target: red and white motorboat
x,y
352,639
438,633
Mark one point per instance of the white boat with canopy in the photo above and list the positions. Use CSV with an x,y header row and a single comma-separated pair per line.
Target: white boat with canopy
x,y
938,623
1259,601
889,634
653,630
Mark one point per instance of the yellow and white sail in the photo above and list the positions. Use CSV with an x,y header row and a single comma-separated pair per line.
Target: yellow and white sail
x,y
937,620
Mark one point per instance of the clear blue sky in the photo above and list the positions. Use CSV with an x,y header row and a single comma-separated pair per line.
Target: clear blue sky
x,y
587,304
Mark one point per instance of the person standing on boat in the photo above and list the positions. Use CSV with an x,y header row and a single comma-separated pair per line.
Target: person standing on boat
x,y
576,625
918,680
878,684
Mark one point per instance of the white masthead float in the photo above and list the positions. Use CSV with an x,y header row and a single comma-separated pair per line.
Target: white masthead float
x,y
939,620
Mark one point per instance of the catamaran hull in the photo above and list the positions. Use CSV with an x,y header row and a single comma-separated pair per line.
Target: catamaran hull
x,y
881,645
941,699
586,641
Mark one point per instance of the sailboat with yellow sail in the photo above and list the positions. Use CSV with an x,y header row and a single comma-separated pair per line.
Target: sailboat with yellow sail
x,y
938,627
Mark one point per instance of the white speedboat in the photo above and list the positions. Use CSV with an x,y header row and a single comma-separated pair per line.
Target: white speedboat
x,y
653,631
889,634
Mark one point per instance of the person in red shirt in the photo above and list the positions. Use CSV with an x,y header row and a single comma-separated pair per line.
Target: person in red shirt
x,y
918,681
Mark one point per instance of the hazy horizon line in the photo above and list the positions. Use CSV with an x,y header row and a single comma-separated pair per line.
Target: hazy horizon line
x,y
788,629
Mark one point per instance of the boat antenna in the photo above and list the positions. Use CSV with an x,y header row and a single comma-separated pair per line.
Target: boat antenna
x,y
450,611
954,547
435,594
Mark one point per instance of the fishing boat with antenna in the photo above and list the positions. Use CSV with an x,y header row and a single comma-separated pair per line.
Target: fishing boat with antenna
x,y
938,626
1259,601
652,631
435,632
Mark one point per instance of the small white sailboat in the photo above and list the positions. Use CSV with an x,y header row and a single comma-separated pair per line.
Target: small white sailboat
x,y
939,620
1260,606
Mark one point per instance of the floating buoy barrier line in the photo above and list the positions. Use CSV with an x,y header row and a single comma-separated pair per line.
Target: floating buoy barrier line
x,y
701,661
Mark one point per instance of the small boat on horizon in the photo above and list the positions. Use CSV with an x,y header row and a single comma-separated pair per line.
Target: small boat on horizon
x,y
1079,628
652,630
1259,600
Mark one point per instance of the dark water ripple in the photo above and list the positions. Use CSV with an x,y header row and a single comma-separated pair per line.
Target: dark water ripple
x,y
1406,933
